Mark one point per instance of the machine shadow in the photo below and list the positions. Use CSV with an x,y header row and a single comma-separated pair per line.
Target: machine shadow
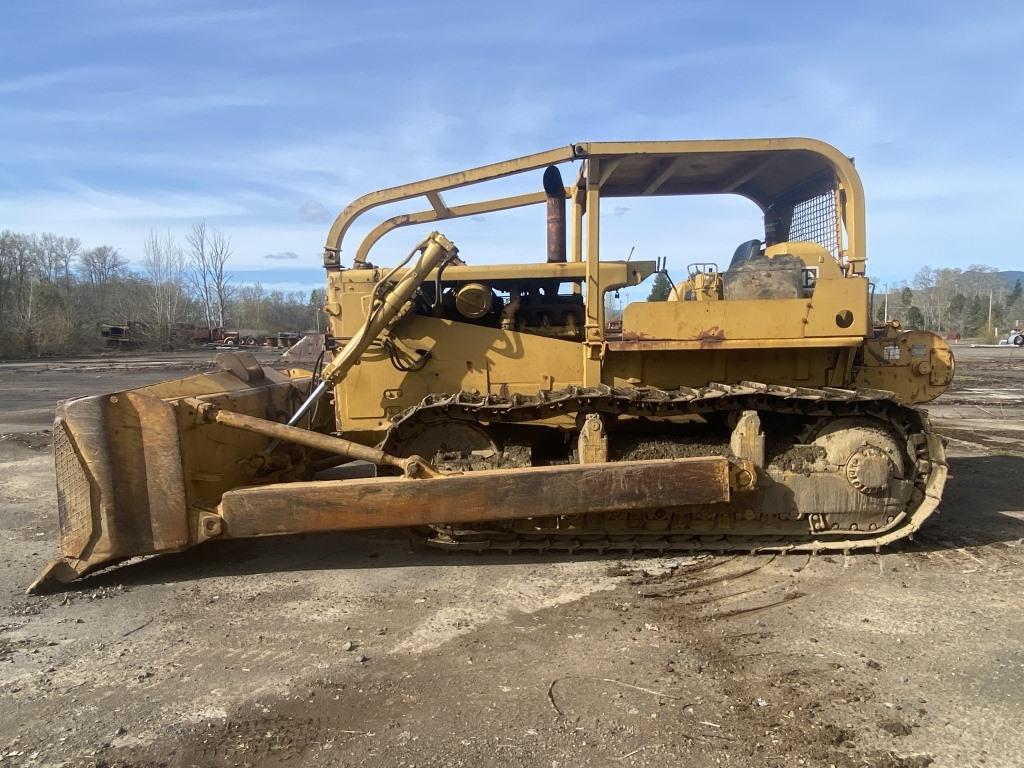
x,y
311,552
979,493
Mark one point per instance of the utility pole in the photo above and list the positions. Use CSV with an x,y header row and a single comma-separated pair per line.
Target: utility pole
x,y
885,311
990,312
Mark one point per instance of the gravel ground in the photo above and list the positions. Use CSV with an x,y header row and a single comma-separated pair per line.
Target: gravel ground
x,y
368,650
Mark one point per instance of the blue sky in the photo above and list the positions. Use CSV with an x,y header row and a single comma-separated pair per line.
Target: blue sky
x,y
266,118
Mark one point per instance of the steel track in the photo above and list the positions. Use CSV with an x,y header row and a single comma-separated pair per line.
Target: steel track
x,y
923,447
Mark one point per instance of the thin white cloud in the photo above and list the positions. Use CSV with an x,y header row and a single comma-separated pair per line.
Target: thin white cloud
x,y
172,22
315,212
59,117
43,80
204,101
75,204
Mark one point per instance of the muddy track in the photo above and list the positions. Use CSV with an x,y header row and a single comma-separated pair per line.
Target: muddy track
x,y
923,446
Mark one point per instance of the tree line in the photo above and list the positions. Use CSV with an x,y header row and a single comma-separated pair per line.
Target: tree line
x,y
974,302
55,294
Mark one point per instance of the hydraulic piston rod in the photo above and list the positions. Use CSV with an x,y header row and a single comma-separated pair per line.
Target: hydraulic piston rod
x,y
435,250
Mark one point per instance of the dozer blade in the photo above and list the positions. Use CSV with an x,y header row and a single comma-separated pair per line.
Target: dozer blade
x,y
150,470
132,468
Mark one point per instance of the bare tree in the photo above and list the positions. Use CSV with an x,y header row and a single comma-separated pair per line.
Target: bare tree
x,y
47,306
249,306
200,272
19,272
55,254
101,265
317,300
219,252
164,266
100,272
10,244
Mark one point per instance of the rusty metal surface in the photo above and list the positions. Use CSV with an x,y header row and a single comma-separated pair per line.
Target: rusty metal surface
x,y
844,527
163,472
489,494
124,505
128,455
129,470
412,466
554,189
74,494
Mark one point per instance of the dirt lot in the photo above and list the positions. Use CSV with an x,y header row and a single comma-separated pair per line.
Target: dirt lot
x,y
366,650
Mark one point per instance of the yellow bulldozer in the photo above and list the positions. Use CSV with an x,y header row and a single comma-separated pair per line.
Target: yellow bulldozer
x,y
758,408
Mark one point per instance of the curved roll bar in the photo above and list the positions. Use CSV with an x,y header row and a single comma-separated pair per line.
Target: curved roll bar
x,y
766,171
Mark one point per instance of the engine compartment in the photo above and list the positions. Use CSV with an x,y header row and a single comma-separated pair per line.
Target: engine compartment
x,y
536,306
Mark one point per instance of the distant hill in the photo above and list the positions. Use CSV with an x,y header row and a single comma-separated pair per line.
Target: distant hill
x,y
1011,276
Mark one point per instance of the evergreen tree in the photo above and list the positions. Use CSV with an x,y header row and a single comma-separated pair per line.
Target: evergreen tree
x,y
956,312
956,308
1015,294
915,319
661,288
976,319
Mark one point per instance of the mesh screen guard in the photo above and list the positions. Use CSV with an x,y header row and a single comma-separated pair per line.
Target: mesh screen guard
x,y
810,214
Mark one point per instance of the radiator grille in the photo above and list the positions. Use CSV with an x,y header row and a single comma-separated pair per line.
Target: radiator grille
x,y
74,495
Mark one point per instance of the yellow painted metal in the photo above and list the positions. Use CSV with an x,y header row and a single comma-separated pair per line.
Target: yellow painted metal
x,y
917,364
595,302
135,469
812,255
577,228
384,309
356,208
711,342
825,330
613,274
144,471
753,320
705,286
453,212
737,166
463,358
705,153
593,329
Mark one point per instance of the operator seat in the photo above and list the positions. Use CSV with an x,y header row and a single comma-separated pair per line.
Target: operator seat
x,y
745,252
752,275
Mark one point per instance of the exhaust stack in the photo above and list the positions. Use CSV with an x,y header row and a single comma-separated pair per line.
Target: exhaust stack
x,y
555,189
